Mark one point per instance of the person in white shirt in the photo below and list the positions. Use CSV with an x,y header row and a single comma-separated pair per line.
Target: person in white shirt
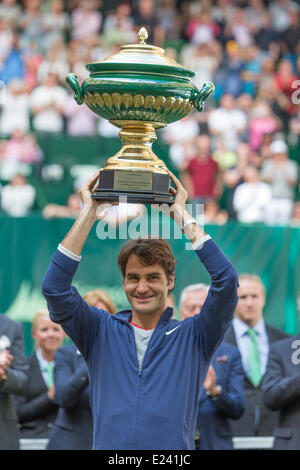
x,y
17,197
15,109
227,122
47,104
282,175
251,197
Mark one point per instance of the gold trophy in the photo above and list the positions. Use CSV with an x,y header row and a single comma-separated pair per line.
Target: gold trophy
x,y
139,90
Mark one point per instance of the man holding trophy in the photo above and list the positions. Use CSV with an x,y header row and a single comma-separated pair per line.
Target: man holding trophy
x,y
146,369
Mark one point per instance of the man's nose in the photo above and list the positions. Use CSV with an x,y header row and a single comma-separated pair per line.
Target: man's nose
x,y
142,286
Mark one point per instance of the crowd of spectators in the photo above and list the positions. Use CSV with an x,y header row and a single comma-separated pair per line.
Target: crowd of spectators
x,y
249,49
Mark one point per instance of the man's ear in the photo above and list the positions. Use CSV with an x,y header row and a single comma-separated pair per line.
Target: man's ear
x,y
171,282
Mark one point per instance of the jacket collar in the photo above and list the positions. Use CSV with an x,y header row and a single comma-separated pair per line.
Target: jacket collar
x,y
125,315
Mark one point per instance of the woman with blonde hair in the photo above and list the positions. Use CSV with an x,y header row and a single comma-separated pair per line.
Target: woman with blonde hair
x,y
101,299
37,408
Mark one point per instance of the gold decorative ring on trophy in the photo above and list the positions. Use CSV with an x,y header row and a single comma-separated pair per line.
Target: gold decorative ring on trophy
x,y
139,89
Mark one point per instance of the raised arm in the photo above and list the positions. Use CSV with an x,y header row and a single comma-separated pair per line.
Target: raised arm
x,y
66,306
217,312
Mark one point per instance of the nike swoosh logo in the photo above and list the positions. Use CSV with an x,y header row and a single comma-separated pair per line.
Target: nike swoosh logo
x,y
171,331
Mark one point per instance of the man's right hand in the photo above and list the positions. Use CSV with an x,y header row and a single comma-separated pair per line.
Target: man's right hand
x,y
88,202
86,192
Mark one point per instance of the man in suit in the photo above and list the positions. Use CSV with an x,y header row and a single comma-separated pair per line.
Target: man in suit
x,y
73,427
222,395
253,337
12,380
281,391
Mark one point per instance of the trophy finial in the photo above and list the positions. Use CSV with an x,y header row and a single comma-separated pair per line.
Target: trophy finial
x,y
143,35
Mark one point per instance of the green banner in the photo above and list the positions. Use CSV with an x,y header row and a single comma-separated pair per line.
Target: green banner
x,y
27,245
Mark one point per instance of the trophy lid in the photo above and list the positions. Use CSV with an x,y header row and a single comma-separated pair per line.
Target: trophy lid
x,y
141,56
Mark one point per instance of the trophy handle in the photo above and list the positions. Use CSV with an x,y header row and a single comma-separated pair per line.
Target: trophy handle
x,y
203,94
72,80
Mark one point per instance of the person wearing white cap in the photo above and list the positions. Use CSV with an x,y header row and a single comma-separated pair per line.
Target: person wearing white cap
x,y
282,174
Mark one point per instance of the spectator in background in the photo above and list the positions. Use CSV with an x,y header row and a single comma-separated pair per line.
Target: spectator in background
x,y
145,15
11,11
99,298
222,395
295,219
56,24
86,19
73,427
13,380
17,197
6,40
284,79
213,214
52,211
253,337
291,35
224,157
55,62
15,113
252,69
120,18
251,197
227,122
294,127
13,65
282,174
31,24
47,104
179,136
37,409
202,28
228,78
81,121
22,148
202,60
262,121
200,174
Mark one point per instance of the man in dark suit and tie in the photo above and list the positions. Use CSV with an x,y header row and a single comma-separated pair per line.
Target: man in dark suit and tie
x,y
73,427
281,391
222,395
12,380
253,337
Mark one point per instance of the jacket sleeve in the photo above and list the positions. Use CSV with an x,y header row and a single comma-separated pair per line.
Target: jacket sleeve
x,y
278,390
231,400
16,374
29,410
69,383
217,311
66,307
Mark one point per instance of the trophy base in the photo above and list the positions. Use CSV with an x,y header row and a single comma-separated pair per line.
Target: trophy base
x,y
133,187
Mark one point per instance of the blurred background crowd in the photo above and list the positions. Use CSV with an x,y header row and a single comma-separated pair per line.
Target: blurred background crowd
x,y
240,157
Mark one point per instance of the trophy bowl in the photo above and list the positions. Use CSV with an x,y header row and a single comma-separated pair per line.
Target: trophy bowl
x,y
139,90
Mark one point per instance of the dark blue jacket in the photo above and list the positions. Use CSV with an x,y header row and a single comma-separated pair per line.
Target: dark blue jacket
x,y
155,407
73,427
213,413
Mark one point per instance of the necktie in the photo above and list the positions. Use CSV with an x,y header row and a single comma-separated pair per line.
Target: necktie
x,y
254,372
50,375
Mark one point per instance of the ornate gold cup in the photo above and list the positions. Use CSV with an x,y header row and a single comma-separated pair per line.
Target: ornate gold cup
x,y
139,89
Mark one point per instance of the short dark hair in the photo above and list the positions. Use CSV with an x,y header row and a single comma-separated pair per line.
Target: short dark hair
x,y
150,251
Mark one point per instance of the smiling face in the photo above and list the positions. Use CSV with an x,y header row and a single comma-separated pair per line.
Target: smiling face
x,y
146,287
251,301
48,335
